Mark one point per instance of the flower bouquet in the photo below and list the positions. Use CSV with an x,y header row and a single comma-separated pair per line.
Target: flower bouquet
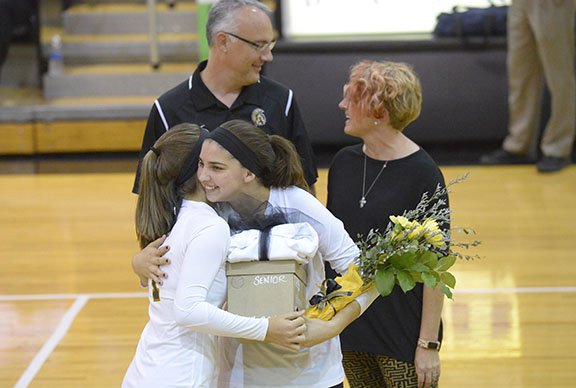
x,y
412,249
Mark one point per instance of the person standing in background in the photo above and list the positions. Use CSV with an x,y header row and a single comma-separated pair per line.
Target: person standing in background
x,y
540,46
229,85
396,342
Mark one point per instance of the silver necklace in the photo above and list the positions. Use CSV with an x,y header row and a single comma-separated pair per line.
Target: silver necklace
x,y
364,192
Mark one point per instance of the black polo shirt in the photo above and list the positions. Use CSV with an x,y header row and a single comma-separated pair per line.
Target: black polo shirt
x,y
267,104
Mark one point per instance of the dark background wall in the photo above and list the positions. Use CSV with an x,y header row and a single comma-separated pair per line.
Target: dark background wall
x,y
464,87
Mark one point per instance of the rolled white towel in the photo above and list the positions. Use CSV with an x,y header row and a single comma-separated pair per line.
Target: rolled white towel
x,y
286,242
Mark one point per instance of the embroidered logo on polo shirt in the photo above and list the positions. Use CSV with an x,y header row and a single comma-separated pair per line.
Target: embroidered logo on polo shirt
x,y
258,117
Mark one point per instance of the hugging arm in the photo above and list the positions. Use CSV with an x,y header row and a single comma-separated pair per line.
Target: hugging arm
x,y
146,263
199,275
318,330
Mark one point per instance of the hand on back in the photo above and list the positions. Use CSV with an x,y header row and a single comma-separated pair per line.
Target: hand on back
x,y
146,263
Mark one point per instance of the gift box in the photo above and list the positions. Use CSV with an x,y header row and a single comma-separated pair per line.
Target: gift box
x,y
266,288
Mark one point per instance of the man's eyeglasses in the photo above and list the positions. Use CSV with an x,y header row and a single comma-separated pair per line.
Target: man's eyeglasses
x,y
258,46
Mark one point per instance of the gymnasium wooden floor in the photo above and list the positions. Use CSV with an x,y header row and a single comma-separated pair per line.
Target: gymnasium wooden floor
x,y
71,311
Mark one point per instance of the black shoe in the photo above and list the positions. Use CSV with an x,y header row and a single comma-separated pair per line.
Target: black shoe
x,y
501,156
552,163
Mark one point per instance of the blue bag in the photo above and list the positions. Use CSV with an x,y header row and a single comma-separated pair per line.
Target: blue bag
x,y
463,22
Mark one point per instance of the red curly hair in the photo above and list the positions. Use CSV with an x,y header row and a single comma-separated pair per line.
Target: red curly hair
x,y
386,86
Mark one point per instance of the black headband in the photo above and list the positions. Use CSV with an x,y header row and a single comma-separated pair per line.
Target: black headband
x,y
190,165
231,143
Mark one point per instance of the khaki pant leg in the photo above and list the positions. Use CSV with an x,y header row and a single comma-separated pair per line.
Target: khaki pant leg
x,y
525,80
554,31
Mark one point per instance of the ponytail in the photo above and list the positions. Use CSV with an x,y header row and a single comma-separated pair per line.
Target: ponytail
x,y
153,218
287,165
160,197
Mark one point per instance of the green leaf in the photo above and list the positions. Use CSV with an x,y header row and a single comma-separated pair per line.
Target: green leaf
x,y
430,259
429,279
402,260
413,244
445,290
417,276
445,263
384,282
419,267
383,258
370,253
448,279
405,281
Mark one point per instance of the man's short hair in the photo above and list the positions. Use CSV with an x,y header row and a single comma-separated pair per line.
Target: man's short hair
x,y
222,16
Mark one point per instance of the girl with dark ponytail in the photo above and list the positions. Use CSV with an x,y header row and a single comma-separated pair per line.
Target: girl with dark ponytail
x,y
178,345
247,171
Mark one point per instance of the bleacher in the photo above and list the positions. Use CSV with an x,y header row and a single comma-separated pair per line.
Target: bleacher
x,y
99,103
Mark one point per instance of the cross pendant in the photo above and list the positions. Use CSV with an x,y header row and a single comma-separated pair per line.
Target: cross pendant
x,y
362,202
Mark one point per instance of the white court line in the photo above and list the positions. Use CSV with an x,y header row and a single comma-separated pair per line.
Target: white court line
x,y
52,342
82,299
73,296
120,295
520,290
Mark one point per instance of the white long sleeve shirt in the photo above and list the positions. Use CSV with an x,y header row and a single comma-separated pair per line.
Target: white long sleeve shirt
x,y
178,346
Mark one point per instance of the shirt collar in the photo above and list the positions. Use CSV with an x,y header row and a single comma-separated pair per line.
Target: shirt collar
x,y
204,99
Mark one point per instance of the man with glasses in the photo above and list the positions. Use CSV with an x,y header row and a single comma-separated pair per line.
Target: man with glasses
x,y
229,85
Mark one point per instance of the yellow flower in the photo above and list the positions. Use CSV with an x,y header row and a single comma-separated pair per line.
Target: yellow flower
x,y
414,227
416,230
429,230
433,234
403,221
